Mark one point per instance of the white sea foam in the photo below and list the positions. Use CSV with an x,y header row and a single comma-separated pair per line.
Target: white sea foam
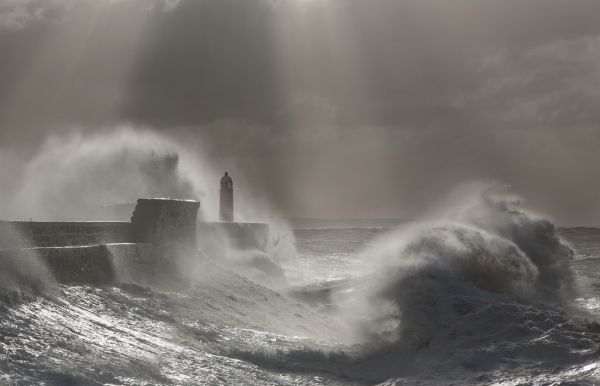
x,y
481,292
487,247
486,286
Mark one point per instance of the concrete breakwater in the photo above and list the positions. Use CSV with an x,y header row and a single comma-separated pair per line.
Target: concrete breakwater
x,y
27,234
104,252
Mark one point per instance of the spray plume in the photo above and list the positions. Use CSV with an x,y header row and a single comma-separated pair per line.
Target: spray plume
x,y
484,250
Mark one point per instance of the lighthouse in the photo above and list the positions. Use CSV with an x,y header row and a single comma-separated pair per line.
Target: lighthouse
x,y
226,202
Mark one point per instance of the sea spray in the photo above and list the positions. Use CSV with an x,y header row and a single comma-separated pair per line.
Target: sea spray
x,y
473,295
426,276
100,177
75,176
22,272
260,252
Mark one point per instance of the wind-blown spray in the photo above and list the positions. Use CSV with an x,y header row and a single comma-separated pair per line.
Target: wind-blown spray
x,y
100,177
423,277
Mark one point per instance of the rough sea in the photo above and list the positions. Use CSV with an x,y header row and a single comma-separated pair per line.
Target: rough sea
x,y
486,294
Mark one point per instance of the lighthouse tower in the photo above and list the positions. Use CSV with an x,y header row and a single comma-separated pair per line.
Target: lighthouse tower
x,y
226,202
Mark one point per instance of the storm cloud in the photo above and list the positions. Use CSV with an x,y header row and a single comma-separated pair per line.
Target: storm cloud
x,y
338,108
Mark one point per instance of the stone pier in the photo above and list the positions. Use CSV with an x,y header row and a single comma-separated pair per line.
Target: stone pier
x,y
161,232
101,253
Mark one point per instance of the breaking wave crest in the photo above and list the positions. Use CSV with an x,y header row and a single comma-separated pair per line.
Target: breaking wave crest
x,y
488,282
484,294
491,248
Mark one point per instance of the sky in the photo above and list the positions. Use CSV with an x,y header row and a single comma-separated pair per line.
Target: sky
x,y
327,108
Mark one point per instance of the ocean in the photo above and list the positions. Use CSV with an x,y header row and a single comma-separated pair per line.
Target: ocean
x,y
489,294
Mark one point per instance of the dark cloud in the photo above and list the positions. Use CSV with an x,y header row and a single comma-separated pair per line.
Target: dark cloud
x,y
338,107
204,61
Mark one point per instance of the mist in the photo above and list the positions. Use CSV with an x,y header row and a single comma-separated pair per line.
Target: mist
x,y
322,108
413,195
95,176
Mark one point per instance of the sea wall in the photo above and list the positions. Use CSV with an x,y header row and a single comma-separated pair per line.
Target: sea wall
x,y
142,263
156,221
165,221
160,234
24,234
106,252
105,264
